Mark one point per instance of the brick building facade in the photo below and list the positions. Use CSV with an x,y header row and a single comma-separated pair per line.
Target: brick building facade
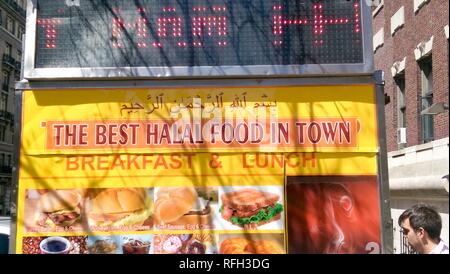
x,y
429,21
411,47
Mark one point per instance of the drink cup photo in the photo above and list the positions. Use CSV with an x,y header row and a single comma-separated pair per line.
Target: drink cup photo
x,y
55,245
134,246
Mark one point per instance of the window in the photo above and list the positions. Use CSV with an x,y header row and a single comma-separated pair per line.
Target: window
x,y
10,24
3,101
20,32
8,49
427,99
2,134
401,104
8,160
19,55
5,77
1,18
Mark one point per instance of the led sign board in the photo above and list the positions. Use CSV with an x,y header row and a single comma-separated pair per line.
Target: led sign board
x,y
203,37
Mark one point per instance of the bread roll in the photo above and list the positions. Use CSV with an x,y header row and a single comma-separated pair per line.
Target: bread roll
x,y
234,246
57,200
173,202
248,199
118,200
266,247
205,219
240,245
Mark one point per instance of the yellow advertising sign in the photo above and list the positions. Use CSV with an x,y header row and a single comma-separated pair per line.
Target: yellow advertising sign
x,y
146,170
211,174
201,119
194,170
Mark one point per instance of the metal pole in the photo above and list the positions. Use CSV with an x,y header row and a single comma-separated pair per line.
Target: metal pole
x,y
387,237
15,173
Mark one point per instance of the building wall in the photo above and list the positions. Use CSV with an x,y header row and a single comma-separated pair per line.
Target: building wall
x,y
419,26
418,170
417,175
12,25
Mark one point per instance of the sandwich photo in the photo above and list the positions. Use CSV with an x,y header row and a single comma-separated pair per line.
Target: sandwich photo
x,y
58,208
113,207
250,208
182,206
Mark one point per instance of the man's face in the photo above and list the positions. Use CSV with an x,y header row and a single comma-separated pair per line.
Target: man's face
x,y
412,236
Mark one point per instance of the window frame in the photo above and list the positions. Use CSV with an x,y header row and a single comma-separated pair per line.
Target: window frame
x,y
400,86
8,48
3,101
2,134
426,120
10,24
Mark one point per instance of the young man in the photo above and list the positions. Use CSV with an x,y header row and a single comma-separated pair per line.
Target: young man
x,y
422,225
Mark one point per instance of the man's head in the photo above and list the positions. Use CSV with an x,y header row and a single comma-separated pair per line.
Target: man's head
x,y
421,224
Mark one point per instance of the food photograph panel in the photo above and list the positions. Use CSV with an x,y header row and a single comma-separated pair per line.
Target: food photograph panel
x,y
93,209
54,210
333,214
252,243
201,243
120,244
251,208
55,245
119,209
185,208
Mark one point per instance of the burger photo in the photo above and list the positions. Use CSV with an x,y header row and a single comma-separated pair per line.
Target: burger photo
x,y
114,207
182,207
58,208
249,208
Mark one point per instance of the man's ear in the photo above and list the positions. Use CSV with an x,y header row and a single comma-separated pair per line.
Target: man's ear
x,y
421,233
